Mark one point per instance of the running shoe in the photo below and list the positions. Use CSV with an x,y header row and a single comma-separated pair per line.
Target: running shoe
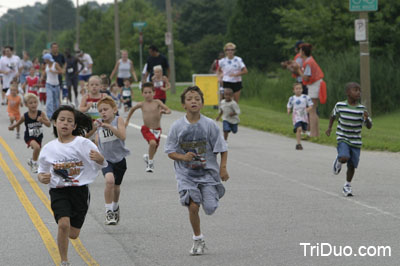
x,y
198,248
347,191
299,147
146,158
110,218
35,167
18,135
116,215
337,166
65,263
150,167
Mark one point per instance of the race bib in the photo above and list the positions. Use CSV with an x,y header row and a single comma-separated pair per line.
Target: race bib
x,y
35,132
106,135
42,90
158,84
70,70
126,93
156,133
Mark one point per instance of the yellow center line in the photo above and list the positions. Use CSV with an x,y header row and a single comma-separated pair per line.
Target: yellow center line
x,y
33,214
79,247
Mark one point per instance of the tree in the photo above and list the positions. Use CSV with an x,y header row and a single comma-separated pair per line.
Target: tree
x,y
63,15
252,27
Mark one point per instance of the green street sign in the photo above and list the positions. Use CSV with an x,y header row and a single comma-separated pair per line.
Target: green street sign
x,y
363,5
140,24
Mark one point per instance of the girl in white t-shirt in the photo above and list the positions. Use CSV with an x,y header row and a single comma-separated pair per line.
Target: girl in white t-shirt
x,y
68,164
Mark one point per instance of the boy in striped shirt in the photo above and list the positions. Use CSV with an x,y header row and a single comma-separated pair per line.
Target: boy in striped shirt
x,y
351,117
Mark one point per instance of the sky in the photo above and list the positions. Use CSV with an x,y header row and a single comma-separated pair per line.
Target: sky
x,y
6,4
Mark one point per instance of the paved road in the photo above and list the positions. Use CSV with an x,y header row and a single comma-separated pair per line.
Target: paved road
x,y
276,199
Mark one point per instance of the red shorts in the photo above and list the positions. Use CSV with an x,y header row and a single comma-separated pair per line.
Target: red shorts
x,y
34,92
29,143
42,96
151,134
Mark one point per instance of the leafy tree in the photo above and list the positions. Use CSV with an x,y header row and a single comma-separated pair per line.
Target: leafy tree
x,y
205,52
63,13
252,27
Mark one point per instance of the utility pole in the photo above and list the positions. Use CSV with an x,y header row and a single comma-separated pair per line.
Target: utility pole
x,y
14,37
364,68
116,30
170,42
7,34
77,26
49,6
23,30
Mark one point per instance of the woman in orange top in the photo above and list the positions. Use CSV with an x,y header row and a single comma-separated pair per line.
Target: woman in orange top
x,y
312,76
13,103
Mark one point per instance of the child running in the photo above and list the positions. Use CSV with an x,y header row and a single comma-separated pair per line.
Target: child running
x,y
161,84
301,105
33,119
229,110
152,110
351,117
127,95
193,143
69,164
89,101
110,138
13,103
32,82
115,95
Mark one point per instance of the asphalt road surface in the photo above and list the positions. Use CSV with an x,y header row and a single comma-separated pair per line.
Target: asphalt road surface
x,y
278,203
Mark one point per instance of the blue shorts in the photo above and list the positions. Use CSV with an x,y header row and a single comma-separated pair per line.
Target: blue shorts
x,y
84,77
347,151
228,127
118,169
301,124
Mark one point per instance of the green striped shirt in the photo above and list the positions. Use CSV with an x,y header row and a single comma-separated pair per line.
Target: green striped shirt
x,y
350,121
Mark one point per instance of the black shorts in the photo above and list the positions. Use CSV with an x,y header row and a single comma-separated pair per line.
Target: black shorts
x,y
128,103
72,202
235,86
120,82
118,169
5,90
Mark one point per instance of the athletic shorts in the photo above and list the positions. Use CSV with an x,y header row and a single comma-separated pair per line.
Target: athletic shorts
x,y
120,82
84,77
235,86
313,89
205,195
72,202
17,116
128,103
151,134
228,127
347,151
118,169
301,124
28,141
5,90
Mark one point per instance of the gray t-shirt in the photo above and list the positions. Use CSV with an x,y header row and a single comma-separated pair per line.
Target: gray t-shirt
x,y
203,138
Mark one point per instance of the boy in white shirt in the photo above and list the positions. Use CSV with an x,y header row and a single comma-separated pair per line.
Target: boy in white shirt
x,y
229,110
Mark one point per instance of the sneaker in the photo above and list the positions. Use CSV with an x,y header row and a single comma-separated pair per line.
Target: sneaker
x,y
65,263
150,167
35,167
337,166
198,247
347,191
116,215
30,163
110,218
299,147
146,158
17,135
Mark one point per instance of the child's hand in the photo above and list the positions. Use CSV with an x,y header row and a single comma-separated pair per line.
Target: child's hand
x,y
11,127
366,115
232,114
44,178
328,132
224,174
96,156
189,156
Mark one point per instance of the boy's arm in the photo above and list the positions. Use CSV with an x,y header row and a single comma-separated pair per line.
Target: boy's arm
x,y
367,120
223,172
187,157
44,178
44,119
83,107
137,106
289,110
219,115
164,108
331,121
20,121
167,84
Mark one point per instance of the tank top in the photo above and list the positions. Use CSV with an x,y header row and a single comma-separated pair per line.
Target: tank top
x,y
51,77
124,69
33,128
158,92
92,111
111,147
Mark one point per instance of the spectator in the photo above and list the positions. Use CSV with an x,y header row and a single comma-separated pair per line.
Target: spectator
x,y
58,58
124,68
10,68
71,74
86,72
156,59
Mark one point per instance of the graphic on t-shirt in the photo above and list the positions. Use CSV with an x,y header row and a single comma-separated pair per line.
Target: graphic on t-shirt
x,y
68,169
193,140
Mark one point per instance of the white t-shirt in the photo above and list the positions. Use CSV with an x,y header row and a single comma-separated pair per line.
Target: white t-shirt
x,y
86,60
71,160
227,108
11,64
299,105
231,66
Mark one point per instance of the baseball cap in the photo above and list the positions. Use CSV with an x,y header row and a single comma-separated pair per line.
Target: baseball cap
x,y
298,43
48,57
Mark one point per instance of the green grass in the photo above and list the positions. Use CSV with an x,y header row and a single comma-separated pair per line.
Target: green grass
x,y
384,135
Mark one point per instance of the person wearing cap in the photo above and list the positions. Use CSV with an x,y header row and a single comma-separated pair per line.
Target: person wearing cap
x,y
51,70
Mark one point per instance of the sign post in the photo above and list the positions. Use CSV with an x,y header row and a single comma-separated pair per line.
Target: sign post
x,y
361,35
140,25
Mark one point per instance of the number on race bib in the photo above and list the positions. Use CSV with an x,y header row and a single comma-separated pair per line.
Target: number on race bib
x,y
156,133
35,132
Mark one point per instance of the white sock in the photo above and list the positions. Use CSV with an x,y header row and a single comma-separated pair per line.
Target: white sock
x,y
347,183
151,161
109,207
198,237
34,162
114,205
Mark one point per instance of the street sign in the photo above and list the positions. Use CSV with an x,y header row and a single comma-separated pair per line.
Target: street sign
x,y
363,5
360,29
140,25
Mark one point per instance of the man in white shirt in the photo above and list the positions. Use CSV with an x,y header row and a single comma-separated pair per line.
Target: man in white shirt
x,y
87,64
10,67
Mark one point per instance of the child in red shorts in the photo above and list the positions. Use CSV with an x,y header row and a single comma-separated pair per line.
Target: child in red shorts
x,y
152,109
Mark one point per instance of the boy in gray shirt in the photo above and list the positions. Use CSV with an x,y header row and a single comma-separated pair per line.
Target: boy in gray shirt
x,y
193,143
